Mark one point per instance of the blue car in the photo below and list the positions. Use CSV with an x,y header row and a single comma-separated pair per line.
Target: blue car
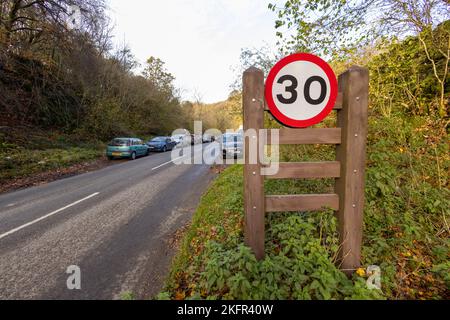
x,y
126,148
161,144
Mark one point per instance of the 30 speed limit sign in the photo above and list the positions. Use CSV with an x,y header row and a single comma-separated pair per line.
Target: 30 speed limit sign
x,y
301,90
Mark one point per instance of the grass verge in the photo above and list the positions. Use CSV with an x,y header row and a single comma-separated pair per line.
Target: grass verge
x,y
27,152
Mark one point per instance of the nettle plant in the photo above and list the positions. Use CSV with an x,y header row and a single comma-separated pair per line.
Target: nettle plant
x,y
299,264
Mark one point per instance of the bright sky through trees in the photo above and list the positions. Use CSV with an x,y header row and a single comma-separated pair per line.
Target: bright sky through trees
x,y
200,40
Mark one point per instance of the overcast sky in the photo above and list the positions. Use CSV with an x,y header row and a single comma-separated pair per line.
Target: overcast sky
x,y
200,40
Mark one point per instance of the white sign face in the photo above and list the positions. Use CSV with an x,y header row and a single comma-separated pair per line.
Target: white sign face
x,y
291,98
301,90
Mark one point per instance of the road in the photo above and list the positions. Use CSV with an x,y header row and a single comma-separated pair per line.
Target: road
x,y
115,224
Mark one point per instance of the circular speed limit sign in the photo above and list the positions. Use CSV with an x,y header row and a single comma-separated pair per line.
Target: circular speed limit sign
x,y
301,90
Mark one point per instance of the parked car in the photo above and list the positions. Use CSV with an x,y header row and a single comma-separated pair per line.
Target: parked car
x,y
196,139
161,144
232,145
126,148
208,138
181,140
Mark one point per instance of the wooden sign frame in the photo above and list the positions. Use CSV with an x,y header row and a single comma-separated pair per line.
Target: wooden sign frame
x,y
348,170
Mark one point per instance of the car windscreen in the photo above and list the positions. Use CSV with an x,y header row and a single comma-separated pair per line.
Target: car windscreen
x,y
232,138
119,142
159,139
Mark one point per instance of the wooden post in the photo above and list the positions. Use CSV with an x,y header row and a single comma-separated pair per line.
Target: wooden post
x,y
351,153
253,105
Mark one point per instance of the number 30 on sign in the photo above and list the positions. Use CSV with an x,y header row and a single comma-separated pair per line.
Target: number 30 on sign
x,y
301,90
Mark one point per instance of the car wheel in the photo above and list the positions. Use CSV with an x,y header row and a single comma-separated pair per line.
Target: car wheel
x,y
164,149
133,156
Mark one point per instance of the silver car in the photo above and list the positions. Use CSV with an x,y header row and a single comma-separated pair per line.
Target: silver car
x,y
182,140
232,145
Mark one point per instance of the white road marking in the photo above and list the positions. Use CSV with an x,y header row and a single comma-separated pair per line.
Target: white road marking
x,y
168,162
47,216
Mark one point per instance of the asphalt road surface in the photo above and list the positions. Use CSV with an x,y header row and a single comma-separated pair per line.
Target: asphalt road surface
x,y
115,224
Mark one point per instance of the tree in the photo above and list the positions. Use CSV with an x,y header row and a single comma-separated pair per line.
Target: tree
x,y
54,74
339,28
31,21
331,26
156,72
441,44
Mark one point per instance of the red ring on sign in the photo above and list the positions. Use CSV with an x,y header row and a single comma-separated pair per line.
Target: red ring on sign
x,y
333,90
